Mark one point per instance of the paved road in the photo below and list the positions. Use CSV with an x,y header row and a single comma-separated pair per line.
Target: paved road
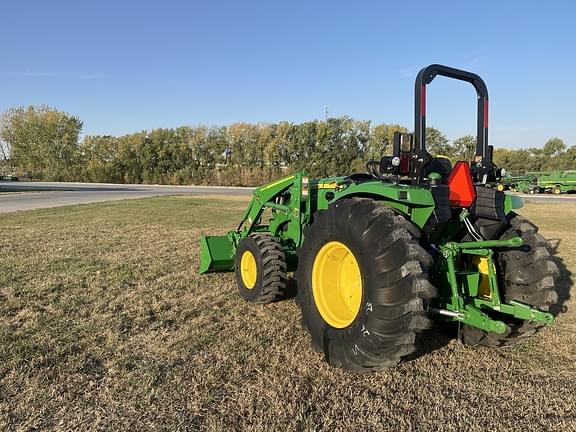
x,y
61,194
45,195
549,198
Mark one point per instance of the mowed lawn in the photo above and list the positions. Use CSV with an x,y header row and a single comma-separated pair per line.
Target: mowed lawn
x,y
106,325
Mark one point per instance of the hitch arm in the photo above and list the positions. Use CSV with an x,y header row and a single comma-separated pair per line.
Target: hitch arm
x,y
465,305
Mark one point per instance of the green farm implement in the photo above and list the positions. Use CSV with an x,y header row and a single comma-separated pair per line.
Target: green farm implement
x,y
523,183
557,182
377,256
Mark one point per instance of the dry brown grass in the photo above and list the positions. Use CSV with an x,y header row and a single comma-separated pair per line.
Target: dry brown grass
x,y
105,325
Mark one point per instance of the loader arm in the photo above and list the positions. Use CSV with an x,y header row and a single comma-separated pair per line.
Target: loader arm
x,y
264,197
217,252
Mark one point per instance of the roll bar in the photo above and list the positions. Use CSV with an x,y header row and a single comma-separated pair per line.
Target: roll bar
x,y
425,77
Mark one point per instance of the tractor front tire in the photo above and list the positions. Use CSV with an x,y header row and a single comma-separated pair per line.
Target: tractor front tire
x,y
260,267
526,274
362,285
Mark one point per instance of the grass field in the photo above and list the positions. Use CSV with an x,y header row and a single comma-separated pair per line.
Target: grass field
x,y
106,325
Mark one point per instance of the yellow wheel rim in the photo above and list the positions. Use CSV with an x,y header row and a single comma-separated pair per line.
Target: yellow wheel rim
x,y
337,284
500,187
557,191
248,269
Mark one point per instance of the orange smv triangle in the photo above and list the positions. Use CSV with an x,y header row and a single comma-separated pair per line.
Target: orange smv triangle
x,y
462,191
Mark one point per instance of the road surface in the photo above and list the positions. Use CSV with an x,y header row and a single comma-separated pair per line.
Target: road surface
x,y
45,195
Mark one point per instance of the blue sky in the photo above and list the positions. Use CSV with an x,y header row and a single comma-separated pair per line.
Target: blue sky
x,y
125,66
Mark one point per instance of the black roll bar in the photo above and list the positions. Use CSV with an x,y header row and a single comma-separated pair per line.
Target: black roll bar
x,y
425,77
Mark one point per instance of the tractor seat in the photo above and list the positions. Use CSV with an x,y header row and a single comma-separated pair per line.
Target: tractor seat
x,y
441,165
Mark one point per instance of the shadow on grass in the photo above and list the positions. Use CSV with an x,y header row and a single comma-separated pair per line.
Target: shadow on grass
x,y
442,333
433,339
564,282
428,341
291,290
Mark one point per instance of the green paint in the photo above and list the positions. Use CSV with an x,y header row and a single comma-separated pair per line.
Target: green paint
x,y
459,288
293,200
216,254
415,202
512,202
565,181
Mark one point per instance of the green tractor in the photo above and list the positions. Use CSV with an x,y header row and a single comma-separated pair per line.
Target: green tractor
x,y
377,256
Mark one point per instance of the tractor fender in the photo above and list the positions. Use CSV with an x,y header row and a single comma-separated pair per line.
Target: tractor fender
x,y
414,202
512,202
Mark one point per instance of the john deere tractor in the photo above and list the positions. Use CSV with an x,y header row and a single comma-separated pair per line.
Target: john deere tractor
x,y
376,256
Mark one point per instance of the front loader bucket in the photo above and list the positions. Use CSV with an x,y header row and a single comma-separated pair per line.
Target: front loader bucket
x,y
216,254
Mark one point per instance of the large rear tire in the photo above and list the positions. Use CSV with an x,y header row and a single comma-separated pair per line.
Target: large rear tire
x,y
528,275
358,244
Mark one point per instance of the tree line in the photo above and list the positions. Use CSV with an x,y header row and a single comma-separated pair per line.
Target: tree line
x,y
43,143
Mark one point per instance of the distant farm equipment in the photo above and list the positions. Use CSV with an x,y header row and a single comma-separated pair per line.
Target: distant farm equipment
x,y
554,182
521,183
558,182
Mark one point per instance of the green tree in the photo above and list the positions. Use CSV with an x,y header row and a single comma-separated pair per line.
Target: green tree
x,y
436,142
553,147
567,160
279,146
381,140
463,148
6,162
301,147
340,142
518,161
100,159
43,141
243,140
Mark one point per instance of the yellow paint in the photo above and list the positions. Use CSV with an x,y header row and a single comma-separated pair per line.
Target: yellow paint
x,y
248,269
326,185
337,284
484,284
277,182
443,157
